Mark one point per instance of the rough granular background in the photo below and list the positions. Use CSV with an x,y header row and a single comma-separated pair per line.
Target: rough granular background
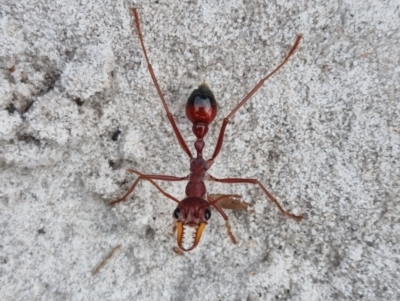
x,y
77,107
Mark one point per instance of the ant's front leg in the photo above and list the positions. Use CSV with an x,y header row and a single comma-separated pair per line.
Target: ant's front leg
x,y
214,202
231,201
255,181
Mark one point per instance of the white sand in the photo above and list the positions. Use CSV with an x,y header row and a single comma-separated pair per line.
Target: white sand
x,y
323,135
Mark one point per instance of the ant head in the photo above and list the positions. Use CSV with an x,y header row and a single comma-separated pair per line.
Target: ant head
x,y
201,106
191,215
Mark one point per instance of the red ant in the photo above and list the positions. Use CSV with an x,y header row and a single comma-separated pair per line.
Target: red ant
x,y
201,108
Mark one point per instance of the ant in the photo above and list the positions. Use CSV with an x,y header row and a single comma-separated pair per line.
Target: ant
x,y
193,211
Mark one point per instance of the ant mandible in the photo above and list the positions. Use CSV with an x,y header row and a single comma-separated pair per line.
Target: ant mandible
x,y
201,108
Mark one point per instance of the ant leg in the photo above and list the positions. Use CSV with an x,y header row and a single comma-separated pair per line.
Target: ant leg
x,y
123,199
150,178
224,216
244,100
231,201
255,181
171,119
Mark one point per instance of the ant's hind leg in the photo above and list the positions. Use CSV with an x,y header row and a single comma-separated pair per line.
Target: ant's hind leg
x,y
171,119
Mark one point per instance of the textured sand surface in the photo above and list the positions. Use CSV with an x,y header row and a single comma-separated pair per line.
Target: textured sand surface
x,y
323,135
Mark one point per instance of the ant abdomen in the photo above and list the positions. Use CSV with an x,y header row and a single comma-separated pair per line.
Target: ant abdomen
x,y
201,106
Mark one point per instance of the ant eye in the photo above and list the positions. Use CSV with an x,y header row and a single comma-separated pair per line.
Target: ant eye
x,y
207,214
177,211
